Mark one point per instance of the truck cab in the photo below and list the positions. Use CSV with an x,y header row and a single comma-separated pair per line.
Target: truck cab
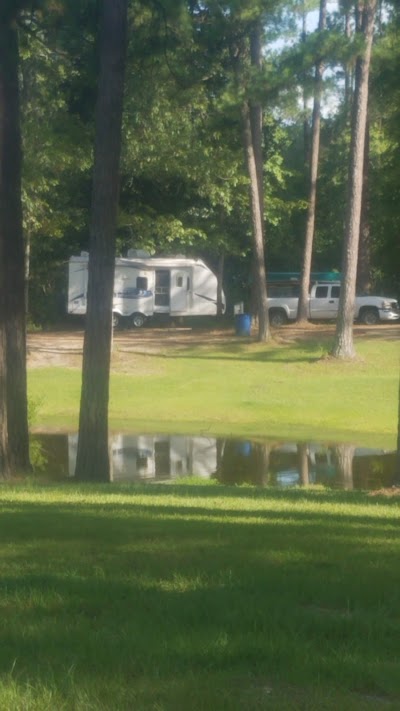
x,y
324,301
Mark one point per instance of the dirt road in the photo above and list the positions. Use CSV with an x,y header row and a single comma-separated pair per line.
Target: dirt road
x,y
64,348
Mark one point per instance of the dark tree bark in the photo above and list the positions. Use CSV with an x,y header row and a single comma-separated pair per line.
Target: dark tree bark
x,y
302,314
344,343
257,199
256,119
364,250
4,460
306,125
14,256
4,456
260,283
397,474
93,456
13,281
348,75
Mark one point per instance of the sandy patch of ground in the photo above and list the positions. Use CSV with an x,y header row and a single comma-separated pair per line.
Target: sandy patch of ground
x,y
64,348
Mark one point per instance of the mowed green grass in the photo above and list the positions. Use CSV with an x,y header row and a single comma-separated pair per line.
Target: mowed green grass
x,y
201,597
292,391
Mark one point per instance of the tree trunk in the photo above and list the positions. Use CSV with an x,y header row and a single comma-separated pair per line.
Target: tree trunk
x,y
220,280
302,314
258,237
364,251
252,120
348,78
4,457
255,136
256,119
4,460
397,473
344,342
306,126
93,453
13,250
27,258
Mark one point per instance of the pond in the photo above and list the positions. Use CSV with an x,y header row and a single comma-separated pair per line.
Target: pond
x,y
160,458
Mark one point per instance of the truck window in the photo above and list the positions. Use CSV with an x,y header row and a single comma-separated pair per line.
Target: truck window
x,y
321,292
141,283
335,293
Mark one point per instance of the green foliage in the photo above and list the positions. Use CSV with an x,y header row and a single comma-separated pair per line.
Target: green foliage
x,y
183,183
385,173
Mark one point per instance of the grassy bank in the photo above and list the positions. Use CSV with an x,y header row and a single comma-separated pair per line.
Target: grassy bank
x,y
287,390
181,597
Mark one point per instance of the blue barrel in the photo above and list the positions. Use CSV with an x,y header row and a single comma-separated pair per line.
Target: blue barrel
x,y
243,324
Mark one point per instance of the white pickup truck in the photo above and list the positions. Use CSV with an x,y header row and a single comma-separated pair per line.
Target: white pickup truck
x,y
323,305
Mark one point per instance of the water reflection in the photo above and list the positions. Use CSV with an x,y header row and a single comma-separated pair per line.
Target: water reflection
x,y
230,461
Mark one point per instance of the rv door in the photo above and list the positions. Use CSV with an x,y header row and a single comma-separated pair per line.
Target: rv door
x,y
180,291
162,291
77,285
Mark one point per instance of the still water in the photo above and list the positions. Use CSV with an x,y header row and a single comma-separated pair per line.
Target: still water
x,y
158,458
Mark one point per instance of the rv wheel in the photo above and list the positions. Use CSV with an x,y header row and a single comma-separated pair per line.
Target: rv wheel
x,y
137,320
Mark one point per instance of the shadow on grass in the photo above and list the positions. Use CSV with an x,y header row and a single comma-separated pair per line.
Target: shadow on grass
x,y
221,491
76,521
138,599
94,593
304,352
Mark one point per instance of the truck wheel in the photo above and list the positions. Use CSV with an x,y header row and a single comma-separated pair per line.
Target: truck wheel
x,y
277,317
138,320
116,320
369,316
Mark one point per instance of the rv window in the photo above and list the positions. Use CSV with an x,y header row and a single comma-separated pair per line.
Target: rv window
x,y
335,293
188,284
141,283
321,292
179,281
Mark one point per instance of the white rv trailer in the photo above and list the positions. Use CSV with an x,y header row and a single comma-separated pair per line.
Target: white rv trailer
x,y
144,286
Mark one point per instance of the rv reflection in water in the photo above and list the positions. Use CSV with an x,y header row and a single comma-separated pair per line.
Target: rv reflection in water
x,y
157,457
233,461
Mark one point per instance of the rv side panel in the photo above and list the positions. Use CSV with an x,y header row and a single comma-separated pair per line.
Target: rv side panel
x,y
204,291
77,285
133,289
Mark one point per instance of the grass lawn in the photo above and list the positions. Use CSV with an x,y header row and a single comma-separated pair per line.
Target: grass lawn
x,y
289,390
181,597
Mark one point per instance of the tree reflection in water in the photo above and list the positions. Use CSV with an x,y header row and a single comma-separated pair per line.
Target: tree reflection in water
x,y
229,461
244,462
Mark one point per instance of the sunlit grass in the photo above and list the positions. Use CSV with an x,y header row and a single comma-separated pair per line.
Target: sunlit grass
x,y
198,597
289,391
